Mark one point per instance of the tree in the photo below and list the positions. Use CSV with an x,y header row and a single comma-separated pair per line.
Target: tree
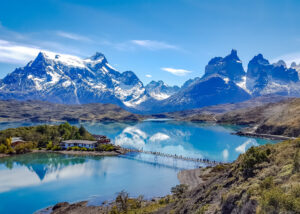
x,y
82,131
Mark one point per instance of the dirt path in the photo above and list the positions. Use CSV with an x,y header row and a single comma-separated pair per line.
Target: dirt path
x,y
191,177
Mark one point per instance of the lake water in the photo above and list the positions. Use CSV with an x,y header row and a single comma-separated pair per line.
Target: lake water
x,y
33,181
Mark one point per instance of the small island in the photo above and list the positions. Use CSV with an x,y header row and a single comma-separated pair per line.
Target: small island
x,y
62,138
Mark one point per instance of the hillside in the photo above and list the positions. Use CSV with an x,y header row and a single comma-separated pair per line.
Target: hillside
x,y
12,110
208,113
263,180
282,118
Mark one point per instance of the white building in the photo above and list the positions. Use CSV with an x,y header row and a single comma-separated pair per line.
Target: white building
x,y
80,143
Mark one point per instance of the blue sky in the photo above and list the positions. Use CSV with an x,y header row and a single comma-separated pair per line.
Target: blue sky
x,y
171,40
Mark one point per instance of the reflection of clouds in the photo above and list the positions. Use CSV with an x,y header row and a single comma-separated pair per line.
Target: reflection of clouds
x,y
225,154
19,177
165,141
159,137
131,137
24,177
248,143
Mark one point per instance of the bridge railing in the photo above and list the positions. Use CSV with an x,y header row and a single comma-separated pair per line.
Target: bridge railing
x,y
198,160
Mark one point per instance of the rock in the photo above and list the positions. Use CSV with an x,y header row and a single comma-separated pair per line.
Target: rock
x,y
60,205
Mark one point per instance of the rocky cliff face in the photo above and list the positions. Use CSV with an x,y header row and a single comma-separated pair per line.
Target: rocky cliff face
x,y
265,78
229,67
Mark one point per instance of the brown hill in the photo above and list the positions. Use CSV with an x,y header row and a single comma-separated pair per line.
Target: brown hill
x,y
12,110
282,118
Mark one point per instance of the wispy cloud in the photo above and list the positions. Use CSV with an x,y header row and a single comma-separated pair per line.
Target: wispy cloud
x,y
73,36
11,52
177,72
153,45
148,75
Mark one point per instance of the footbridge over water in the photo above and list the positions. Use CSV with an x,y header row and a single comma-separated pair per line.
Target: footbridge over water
x,y
180,157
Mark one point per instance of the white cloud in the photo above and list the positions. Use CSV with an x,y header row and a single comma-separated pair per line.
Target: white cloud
x,y
73,36
177,72
11,52
159,137
148,75
153,45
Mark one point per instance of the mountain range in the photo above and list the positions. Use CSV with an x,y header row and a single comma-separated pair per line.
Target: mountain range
x,y
71,80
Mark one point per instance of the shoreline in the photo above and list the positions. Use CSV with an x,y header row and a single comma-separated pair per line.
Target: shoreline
x,y
65,152
263,136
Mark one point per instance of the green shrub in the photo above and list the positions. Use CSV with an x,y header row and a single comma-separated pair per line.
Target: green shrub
x,y
22,148
179,190
56,148
267,183
83,149
251,158
296,191
3,148
296,162
106,147
274,200
49,145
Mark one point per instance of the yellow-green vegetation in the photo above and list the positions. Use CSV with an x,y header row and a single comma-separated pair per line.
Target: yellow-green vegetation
x,y
5,146
264,180
123,204
42,136
106,147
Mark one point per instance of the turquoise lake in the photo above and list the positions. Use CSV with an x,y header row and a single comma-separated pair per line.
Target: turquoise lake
x,y
34,181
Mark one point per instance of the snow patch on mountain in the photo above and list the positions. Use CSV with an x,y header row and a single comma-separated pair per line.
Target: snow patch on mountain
x,y
159,90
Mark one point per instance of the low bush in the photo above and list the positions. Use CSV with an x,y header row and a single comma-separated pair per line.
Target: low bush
x,y
24,147
56,148
296,162
251,158
49,145
83,149
179,190
106,147
267,183
274,200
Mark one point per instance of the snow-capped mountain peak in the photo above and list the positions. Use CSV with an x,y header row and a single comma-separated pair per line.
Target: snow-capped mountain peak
x,y
70,79
160,90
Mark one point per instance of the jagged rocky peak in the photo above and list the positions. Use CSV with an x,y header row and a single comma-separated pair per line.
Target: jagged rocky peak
x,y
97,56
293,64
259,59
280,63
228,67
233,55
265,78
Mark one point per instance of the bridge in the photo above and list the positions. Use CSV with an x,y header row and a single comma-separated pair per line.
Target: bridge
x,y
180,157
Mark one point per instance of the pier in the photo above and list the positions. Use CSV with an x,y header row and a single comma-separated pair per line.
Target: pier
x,y
180,157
